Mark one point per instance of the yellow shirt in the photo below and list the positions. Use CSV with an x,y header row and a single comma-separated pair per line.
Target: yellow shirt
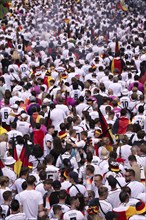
x,y
2,130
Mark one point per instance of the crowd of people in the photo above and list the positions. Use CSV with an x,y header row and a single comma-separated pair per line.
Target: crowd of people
x,y
73,110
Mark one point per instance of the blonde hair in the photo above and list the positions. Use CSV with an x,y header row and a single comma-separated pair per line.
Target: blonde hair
x,y
4,137
95,217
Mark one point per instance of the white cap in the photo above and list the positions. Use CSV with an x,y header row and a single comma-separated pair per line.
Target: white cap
x,y
17,88
125,92
24,115
60,69
15,106
46,100
9,160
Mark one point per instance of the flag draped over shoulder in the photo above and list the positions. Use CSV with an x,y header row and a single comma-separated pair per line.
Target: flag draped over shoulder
x,y
121,5
117,46
22,160
105,128
116,62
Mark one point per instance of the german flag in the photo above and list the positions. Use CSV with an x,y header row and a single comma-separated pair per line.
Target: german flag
x,y
121,5
116,62
120,125
22,160
106,131
117,46
125,214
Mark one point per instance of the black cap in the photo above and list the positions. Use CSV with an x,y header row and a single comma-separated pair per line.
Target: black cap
x,y
56,184
73,175
111,215
94,202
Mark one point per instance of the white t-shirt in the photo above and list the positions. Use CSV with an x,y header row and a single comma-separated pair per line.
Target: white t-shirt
x,y
106,207
13,133
18,216
18,185
24,127
125,152
138,217
113,198
136,188
52,172
9,173
30,200
1,194
47,138
116,87
63,107
73,214
80,108
5,111
125,100
142,196
40,188
57,116
65,208
67,155
73,190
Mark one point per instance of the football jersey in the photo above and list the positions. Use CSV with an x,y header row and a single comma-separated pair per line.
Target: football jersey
x,y
52,172
24,70
5,111
125,102
139,119
64,207
73,215
24,127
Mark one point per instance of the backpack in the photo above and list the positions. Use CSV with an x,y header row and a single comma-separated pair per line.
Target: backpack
x,y
62,164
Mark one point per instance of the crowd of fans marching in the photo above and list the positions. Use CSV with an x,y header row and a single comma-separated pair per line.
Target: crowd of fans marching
x,y
73,110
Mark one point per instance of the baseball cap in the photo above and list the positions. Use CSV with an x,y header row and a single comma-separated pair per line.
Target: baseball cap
x,y
125,92
32,98
120,160
73,175
15,106
111,215
56,184
114,166
46,100
24,115
94,202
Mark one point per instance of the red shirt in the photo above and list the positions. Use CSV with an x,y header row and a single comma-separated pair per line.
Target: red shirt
x,y
38,136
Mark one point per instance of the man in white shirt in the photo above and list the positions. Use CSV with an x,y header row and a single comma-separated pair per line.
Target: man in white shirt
x,y
67,155
73,213
13,133
7,170
81,106
57,116
15,211
17,187
51,171
30,200
48,140
116,87
76,188
23,126
104,206
5,111
135,186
